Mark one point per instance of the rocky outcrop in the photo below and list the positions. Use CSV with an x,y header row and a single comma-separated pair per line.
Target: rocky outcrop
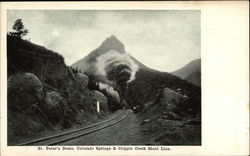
x,y
54,107
24,90
82,79
84,103
113,43
25,96
44,94
171,99
167,121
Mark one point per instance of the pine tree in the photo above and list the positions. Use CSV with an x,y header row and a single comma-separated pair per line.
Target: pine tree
x,y
18,29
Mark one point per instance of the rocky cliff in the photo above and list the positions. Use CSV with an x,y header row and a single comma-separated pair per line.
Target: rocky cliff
x,y
44,94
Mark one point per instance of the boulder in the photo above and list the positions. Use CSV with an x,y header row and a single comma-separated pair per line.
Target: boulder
x,y
76,99
53,107
82,79
83,101
24,90
53,99
171,99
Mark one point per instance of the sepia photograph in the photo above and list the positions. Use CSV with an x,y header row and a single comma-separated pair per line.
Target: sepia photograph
x,y
124,78
98,77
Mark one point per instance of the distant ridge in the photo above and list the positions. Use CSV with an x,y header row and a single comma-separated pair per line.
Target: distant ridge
x,y
191,72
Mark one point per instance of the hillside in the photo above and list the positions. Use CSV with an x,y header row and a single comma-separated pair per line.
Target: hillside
x,y
149,85
44,94
191,72
194,78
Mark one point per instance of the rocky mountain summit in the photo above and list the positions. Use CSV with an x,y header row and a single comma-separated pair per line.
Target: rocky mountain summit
x,y
87,64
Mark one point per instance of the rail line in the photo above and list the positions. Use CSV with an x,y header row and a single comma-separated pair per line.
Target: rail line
x,y
66,136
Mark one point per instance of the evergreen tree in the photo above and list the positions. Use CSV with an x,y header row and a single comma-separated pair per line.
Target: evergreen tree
x,y
18,29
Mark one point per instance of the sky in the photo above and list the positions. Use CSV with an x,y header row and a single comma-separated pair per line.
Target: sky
x,y
164,40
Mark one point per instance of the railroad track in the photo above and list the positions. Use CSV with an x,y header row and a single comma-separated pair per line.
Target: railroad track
x,y
70,135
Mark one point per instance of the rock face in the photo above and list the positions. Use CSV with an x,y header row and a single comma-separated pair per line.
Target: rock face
x,y
25,95
167,121
54,107
113,43
82,79
170,98
47,94
171,101
24,90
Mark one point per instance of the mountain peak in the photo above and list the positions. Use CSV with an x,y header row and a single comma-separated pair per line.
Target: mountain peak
x,y
112,43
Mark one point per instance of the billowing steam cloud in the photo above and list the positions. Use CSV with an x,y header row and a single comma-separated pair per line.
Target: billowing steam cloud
x,y
117,67
110,90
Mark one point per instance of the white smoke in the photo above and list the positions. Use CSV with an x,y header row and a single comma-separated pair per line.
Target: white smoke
x,y
115,58
110,90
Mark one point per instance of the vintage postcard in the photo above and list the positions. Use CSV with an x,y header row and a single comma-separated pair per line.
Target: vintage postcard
x,y
125,78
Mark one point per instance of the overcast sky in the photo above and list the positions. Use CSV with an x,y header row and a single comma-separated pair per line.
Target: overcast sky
x,y
163,40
